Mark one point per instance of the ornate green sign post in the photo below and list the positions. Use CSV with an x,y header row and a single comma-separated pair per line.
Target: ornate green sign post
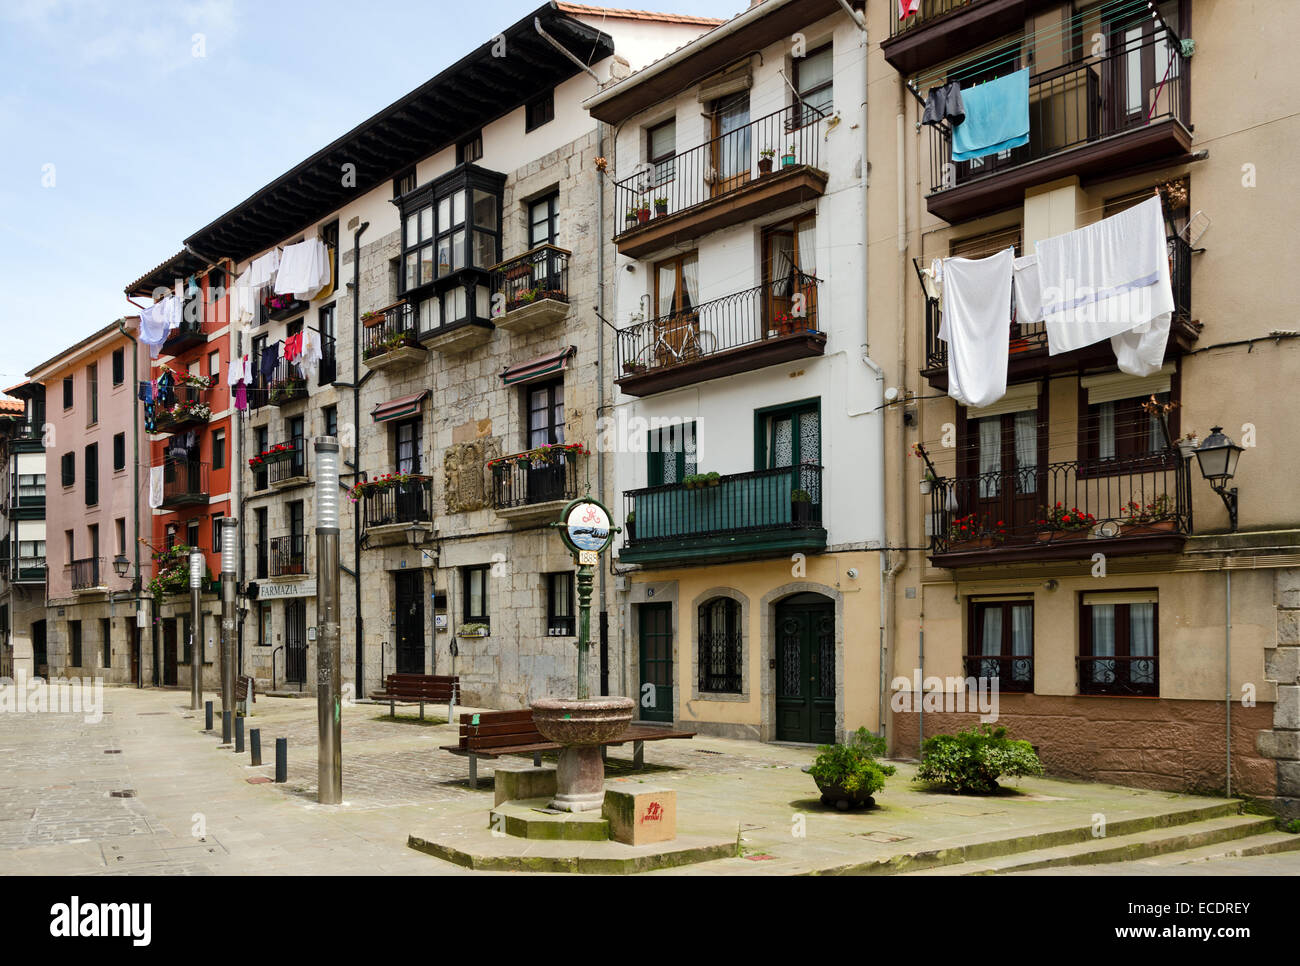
x,y
586,531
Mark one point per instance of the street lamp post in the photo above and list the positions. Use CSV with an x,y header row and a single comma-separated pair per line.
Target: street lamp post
x,y
1217,457
329,787
196,631
228,561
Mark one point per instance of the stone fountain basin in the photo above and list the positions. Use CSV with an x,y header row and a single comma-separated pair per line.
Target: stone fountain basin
x,y
587,721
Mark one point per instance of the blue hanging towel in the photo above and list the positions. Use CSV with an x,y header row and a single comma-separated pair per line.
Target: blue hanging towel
x,y
997,117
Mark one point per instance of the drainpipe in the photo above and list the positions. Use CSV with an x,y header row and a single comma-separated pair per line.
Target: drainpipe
x,y
135,441
1227,679
600,395
356,445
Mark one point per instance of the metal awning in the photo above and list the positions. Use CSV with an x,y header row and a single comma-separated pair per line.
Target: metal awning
x,y
538,368
401,406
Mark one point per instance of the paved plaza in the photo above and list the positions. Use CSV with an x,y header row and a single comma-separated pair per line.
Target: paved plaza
x,y
147,791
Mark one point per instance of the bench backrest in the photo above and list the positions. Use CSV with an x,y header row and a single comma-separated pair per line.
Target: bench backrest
x,y
431,687
244,686
498,729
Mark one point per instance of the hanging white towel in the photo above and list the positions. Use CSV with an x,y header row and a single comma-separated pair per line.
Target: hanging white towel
x,y
155,487
245,299
304,269
1105,279
311,353
977,326
234,372
157,322
932,282
263,269
1143,353
1028,287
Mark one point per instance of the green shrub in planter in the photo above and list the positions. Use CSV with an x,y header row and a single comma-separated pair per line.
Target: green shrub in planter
x,y
848,774
970,762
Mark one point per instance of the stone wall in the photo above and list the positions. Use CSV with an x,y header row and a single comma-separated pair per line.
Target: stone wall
x,y
1281,742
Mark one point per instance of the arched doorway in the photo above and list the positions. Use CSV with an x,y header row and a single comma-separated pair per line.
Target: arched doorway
x,y
805,669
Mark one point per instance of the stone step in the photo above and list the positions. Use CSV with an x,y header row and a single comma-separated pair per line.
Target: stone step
x,y
526,819
1117,848
1264,843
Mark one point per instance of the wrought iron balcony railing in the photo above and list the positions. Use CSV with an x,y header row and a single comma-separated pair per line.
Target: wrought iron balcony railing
x,y
1102,502
1014,673
722,165
287,556
184,481
520,482
189,407
785,307
1080,103
536,275
1131,674
1027,337
87,573
288,464
407,501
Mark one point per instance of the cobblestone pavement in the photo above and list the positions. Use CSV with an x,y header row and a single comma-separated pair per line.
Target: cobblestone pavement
x,y
147,791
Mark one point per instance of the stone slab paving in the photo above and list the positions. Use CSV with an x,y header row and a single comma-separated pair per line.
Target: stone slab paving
x,y
58,816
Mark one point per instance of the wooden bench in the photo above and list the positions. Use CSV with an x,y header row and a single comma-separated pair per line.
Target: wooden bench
x,y
491,734
420,689
245,691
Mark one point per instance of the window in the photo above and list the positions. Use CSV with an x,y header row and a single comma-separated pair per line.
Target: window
x,y
259,347
264,625
1000,643
789,276
545,405
68,468
106,637
297,433
69,543
677,286
74,643
543,220
67,392
328,370
171,535
31,486
219,449
791,436
471,149
1119,635
119,529
92,394
661,151
262,443
192,533
813,81
331,414
94,546
672,454
214,367
410,445
91,483
404,182
720,646
119,366
296,527
559,604
119,452
538,112
1121,430
216,532
474,583
216,284
263,552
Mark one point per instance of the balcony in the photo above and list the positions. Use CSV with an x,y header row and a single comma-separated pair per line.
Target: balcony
x,y
190,332
746,515
1028,355
287,464
87,574
286,384
386,511
30,570
1137,506
391,337
185,483
944,29
531,291
1089,119
527,487
189,409
287,556
749,330
281,307
1014,673
724,181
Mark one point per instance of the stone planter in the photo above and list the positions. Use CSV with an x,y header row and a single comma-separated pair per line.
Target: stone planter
x,y
841,798
580,726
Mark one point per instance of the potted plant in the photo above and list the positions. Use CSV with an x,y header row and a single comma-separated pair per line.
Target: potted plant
x,y
631,367
371,319
1187,444
927,483
1060,523
848,775
765,160
712,478
642,213
787,159
969,532
661,207
1154,517
472,629
630,522
800,506
970,762
630,217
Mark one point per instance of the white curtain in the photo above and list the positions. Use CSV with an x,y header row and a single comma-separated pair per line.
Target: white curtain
x,y
1022,638
1027,451
1103,641
990,443
808,247
1142,642
991,641
1106,431
690,283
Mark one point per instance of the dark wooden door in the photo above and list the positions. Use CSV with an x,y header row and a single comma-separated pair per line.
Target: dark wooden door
x,y
169,653
133,639
805,670
410,621
656,636
40,661
295,642
1003,479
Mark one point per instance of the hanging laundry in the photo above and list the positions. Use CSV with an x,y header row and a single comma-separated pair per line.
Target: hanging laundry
x,y
241,395
932,282
270,359
145,392
245,299
1028,287
150,417
997,117
944,104
234,372
248,370
157,322
1110,280
293,347
304,269
977,326
262,270
166,384
908,7
311,352
155,487
192,287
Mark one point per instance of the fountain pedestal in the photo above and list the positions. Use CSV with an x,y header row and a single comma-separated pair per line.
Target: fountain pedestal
x,y
580,725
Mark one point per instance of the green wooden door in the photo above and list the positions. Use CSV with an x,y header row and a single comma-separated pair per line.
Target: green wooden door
x,y
805,670
656,635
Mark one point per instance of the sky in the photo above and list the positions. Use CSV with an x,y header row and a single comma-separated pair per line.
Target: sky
x,y
126,125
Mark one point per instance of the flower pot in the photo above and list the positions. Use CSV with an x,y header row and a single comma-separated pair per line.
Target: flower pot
x,y
787,160
764,165
926,486
372,322
843,799
800,512
661,209
643,215
1056,536
978,543
630,221
1188,448
630,526
1154,526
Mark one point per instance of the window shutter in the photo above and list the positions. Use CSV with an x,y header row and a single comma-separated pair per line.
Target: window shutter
x,y
69,469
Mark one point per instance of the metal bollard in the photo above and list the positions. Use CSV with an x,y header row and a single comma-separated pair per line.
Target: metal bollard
x,y
255,743
225,727
281,759
207,716
239,735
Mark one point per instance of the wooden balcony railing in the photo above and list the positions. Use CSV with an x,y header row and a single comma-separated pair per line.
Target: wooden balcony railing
x,y
87,573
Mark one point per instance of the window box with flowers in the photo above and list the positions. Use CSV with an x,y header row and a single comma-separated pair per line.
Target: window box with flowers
x,y
975,532
473,630
1065,523
404,339
1154,517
